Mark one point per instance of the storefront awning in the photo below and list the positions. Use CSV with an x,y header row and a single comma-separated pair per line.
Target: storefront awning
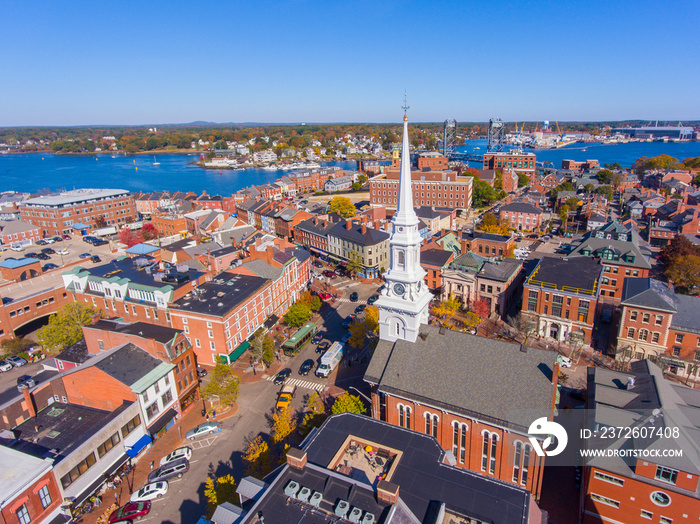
x,y
672,361
138,446
162,421
271,321
235,354
88,492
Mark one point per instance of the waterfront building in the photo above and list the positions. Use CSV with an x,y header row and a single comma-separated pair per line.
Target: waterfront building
x,y
429,188
670,132
517,161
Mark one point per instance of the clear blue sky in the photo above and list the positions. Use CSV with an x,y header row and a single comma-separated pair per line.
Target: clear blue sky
x,y
69,63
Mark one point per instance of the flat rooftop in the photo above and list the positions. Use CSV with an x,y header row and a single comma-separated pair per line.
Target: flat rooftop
x,y
141,270
577,275
221,295
75,196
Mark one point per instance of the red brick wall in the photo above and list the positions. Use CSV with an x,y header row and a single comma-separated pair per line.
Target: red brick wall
x,y
626,322
167,226
20,312
614,290
491,247
30,497
96,389
16,237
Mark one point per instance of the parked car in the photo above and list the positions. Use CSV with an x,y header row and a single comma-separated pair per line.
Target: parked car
x,y
285,396
95,259
49,267
606,316
324,296
66,236
63,251
17,247
316,263
205,428
318,337
176,468
359,309
58,239
565,362
340,272
25,380
282,376
330,274
16,361
85,255
89,239
30,254
323,346
354,297
183,452
381,288
130,512
41,242
48,251
345,338
348,320
99,242
201,372
150,491
306,367
49,240
5,365
43,256
371,300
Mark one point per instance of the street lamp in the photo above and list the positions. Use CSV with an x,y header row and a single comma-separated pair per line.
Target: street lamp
x,y
362,394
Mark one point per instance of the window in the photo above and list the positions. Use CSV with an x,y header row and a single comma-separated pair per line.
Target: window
x,y
526,464
605,500
152,410
630,332
676,351
23,514
107,445
532,300
666,474
101,344
582,310
197,343
645,318
45,496
557,302
488,452
643,335
131,425
646,514
516,461
655,337
608,478
679,338
659,320
633,315
157,388
404,416
665,520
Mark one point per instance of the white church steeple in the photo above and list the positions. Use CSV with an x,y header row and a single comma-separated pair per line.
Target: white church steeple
x,y
403,305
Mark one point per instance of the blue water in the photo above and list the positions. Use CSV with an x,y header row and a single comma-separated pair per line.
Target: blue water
x,y
624,154
33,172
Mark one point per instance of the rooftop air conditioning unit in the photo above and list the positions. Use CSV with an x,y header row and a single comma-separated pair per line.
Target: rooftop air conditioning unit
x,y
355,515
304,494
291,489
316,499
341,510
369,518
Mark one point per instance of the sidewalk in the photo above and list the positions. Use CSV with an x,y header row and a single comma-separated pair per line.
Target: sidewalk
x,y
139,475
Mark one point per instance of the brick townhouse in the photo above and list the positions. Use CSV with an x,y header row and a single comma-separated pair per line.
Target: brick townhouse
x,y
659,324
134,289
657,486
478,418
518,162
521,216
561,296
313,233
434,261
169,224
621,251
17,231
487,244
79,209
443,189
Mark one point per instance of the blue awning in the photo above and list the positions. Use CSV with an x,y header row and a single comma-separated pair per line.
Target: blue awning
x,y
79,225
138,446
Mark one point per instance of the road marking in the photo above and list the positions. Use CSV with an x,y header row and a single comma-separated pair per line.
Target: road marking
x,y
307,384
204,443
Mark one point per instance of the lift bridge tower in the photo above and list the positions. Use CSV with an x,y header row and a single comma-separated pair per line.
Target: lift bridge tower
x,y
496,136
449,138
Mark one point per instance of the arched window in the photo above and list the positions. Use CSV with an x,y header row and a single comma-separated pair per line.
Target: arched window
x,y
488,452
526,463
397,329
431,424
517,461
459,441
401,259
402,415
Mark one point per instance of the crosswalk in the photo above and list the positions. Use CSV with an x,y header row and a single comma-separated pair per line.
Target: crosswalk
x,y
306,384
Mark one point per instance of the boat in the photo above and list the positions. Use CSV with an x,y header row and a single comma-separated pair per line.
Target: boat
x,y
155,162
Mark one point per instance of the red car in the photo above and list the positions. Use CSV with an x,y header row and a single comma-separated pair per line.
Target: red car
x,y
324,296
130,511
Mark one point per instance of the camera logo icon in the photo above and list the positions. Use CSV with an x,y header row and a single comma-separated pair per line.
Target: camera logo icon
x,y
542,426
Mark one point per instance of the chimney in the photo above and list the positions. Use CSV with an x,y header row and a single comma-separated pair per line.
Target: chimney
x,y
325,222
364,228
270,254
670,285
204,193
348,224
377,224
296,458
387,492
316,220
29,401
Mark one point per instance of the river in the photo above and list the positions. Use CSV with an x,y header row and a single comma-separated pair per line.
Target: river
x,y
36,171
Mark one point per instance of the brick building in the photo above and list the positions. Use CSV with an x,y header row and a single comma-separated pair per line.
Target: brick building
x,y
438,386
18,232
518,162
510,180
621,251
24,305
313,233
78,209
169,224
657,486
580,165
434,261
139,289
521,216
442,188
487,244
561,296
349,238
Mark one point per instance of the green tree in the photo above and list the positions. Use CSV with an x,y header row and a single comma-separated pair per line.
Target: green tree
x,y
362,179
347,403
297,315
523,180
605,190
224,384
66,326
342,206
356,186
354,264
488,220
589,188
283,424
612,166
219,490
604,176
15,346
684,272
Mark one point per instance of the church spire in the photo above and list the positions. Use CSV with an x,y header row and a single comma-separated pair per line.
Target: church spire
x,y
405,214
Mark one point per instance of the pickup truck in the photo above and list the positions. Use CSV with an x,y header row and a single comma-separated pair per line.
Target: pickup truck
x,y
286,394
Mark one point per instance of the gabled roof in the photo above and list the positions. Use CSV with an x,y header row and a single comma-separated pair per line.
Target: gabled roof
x,y
435,257
17,226
648,293
522,207
371,236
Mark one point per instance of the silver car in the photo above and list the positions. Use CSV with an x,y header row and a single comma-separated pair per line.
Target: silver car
x,y
16,361
205,428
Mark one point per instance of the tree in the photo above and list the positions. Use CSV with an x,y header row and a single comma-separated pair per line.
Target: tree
x,y
219,490
525,325
564,215
315,404
15,346
100,221
447,308
257,457
684,272
130,237
283,424
589,188
489,219
356,186
679,246
316,303
362,179
65,328
612,166
371,319
224,384
482,308
484,194
604,176
149,232
471,319
358,332
347,403
297,315
523,180
343,206
605,190
354,264
262,349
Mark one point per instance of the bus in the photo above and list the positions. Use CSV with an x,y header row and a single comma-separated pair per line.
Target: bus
x,y
299,339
